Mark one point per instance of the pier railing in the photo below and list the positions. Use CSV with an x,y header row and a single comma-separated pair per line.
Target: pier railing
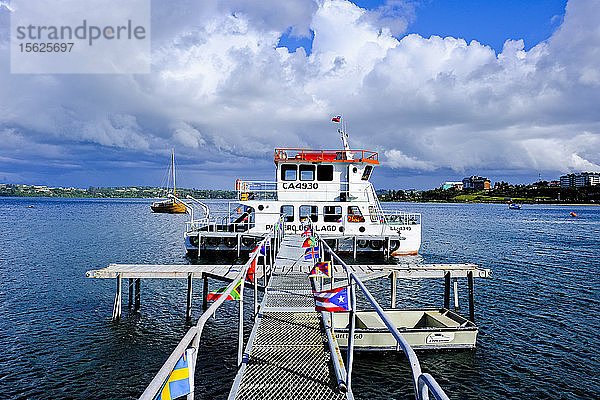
x,y
423,383
271,242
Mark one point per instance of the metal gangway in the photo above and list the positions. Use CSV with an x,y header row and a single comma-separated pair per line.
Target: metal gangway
x,y
292,348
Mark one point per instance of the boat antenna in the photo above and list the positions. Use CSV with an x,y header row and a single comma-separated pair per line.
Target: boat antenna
x,y
344,136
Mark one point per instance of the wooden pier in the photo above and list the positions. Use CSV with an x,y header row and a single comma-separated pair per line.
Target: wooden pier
x,y
292,351
287,355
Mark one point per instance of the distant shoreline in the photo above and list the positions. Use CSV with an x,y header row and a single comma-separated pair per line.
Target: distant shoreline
x,y
224,198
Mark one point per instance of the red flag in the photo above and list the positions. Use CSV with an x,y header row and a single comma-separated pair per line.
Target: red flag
x,y
336,119
251,271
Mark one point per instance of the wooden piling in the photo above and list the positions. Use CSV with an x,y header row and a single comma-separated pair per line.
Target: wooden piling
x,y
188,310
199,245
131,289
455,282
137,295
393,286
447,290
471,296
117,306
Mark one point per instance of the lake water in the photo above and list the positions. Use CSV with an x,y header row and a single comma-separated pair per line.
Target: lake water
x,y
539,336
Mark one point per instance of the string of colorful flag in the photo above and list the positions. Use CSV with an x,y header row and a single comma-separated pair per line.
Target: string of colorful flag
x,y
331,300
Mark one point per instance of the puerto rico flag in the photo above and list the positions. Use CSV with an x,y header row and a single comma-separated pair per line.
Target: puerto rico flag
x,y
320,270
312,253
337,118
332,300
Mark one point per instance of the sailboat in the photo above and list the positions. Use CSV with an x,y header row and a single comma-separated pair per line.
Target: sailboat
x,y
172,205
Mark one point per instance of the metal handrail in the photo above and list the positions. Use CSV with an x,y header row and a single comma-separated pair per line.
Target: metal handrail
x,y
193,335
422,383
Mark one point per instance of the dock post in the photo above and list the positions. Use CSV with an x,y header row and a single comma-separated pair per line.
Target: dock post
x,y
354,248
199,244
393,283
264,265
471,299
386,249
204,292
117,306
447,290
130,292
188,310
239,244
455,282
137,295
254,280
241,326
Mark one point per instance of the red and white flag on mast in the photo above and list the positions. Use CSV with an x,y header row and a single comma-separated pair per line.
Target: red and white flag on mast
x,y
337,118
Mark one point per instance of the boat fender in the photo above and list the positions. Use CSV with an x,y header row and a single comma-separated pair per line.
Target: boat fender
x,y
213,241
362,243
573,214
248,241
375,244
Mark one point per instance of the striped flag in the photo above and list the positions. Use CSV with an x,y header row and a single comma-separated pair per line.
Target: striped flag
x,y
332,300
320,270
181,380
337,118
234,295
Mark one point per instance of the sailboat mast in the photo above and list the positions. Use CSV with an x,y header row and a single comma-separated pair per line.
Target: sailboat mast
x,y
173,168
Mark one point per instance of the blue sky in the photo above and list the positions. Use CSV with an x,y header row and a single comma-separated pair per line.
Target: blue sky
x,y
441,89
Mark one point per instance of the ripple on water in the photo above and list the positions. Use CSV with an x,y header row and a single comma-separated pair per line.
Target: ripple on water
x,y
538,330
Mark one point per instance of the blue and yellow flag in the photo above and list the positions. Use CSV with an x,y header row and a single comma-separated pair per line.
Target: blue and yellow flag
x,y
181,380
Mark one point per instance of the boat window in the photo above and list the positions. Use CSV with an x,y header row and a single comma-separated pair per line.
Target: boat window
x,y
307,172
367,173
309,211
354,214
288,213
324,172
332,214
289,172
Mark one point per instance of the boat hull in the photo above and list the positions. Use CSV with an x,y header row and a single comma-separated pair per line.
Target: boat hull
x,y
423,329
169,208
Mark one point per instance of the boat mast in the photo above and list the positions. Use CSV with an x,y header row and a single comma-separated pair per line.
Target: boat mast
x,y
344,135
173,168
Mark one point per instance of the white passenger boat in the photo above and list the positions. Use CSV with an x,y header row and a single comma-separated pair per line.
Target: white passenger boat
x,y
331,187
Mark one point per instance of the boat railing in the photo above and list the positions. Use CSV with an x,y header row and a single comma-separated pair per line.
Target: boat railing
x,y
191,340
423,383
256,190
401,218
337,155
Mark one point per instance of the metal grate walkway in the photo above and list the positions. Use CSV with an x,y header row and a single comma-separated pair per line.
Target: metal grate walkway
x,y
287,354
